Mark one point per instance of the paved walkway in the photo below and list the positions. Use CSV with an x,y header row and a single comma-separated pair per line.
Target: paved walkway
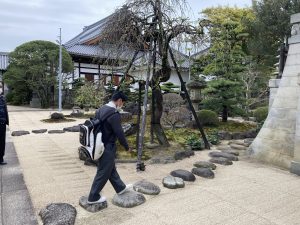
x,y
245,193
15,203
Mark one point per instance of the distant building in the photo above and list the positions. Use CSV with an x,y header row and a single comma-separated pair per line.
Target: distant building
x,y
4,62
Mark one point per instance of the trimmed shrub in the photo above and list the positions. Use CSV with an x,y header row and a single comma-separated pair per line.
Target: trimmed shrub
x,y
57,116
208,117
261,114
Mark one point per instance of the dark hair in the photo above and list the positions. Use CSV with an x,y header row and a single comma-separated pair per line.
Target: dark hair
x,y
119,95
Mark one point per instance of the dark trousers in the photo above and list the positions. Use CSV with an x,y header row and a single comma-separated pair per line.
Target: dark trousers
x,y
106,170
2,140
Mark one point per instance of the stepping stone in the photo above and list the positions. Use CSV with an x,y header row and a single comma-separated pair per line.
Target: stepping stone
x,y
221,160
223,147
146,187
238,147
91,207
19,133
204,164
39,131
72,129
184,174
232,152
56,131
162,160
224,155
58,214
129,199
203,172
183,154
249,140
173,182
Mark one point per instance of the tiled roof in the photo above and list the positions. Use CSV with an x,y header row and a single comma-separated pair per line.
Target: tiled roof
x,y
4,60
89,33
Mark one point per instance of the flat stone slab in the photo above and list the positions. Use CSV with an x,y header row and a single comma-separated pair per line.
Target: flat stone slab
x,y
58,214
232,152
238,147
203,172
221,161
72,129
173,182
184,174
128,199
56,131
204,164
91,207
223,147
238,142
224,155
40,131
183,154
19,133
146,187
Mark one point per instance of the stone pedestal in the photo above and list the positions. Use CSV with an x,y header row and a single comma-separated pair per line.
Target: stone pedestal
x,y
278,142
35,101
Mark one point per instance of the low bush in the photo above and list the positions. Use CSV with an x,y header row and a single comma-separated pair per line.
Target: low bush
x,y
261,114
208,117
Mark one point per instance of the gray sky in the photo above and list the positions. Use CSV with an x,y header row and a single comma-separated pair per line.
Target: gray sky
x,y
27,20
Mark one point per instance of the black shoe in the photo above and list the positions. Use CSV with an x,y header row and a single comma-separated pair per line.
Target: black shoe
x,y
3,163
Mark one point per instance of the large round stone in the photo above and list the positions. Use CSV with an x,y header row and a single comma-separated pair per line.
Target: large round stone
x,y
39,131
58,214
224,155
146,187
204,164
19,133
184,174
129,199
203,172
91,207
221,160
183,154
173,182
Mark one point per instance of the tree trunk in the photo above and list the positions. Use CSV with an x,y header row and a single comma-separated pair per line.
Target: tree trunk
x,y
158,106
139,114
143,125
224,113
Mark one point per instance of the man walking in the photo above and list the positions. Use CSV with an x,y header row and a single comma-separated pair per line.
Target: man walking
x,y
3,122
111,130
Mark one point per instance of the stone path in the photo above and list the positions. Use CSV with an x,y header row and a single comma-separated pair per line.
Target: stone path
x,y
243,193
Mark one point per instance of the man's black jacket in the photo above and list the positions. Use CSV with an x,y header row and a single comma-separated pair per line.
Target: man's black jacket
x,y
111,128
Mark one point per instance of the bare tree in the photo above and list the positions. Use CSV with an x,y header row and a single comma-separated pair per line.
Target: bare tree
x,y
136,26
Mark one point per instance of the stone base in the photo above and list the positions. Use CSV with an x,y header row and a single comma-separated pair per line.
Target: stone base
x,y
295,167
